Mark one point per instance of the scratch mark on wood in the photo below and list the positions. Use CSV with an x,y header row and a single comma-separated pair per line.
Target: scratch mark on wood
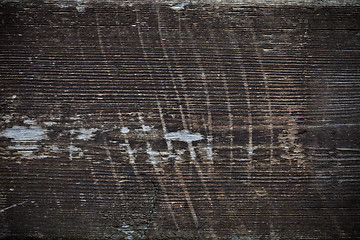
x,y
130,152
250,147
171,72
209,122
12,206
155,158
112,166
267,94
177,169
205,85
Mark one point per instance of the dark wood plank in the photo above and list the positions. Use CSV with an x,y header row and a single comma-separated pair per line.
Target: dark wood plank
x,y
210,121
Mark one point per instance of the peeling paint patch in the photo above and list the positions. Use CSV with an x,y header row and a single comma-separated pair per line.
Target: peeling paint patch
x,y
28,151
24,139
144,128
87,134
183,135
75,152
25,134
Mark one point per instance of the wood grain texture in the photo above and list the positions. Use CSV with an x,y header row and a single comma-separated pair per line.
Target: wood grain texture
x,y
208,121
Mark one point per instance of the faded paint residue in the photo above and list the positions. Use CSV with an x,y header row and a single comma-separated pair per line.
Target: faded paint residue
x,y
184,136
25,134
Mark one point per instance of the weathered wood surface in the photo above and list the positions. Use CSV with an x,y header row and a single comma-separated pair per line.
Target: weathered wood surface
x,y
207,121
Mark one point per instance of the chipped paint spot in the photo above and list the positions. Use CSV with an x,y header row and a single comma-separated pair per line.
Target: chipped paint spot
x,y
153,156
30,122
27,154
125,130
53,148
80,8
77,117
23,147
73,149
7,118
86,134
50,123
28,151
179,6
82,199
25,134
131,152
183,135
250,150
145,128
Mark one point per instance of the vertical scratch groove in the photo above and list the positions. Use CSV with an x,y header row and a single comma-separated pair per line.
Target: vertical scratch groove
x,y
268,98
190,146
112,165
177,168
154,158
230,116
91,165
209,120
171,72
101,44
158,174
205,86
130,151
250,147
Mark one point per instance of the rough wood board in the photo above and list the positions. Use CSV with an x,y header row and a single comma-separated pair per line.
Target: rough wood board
x,y
215,121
